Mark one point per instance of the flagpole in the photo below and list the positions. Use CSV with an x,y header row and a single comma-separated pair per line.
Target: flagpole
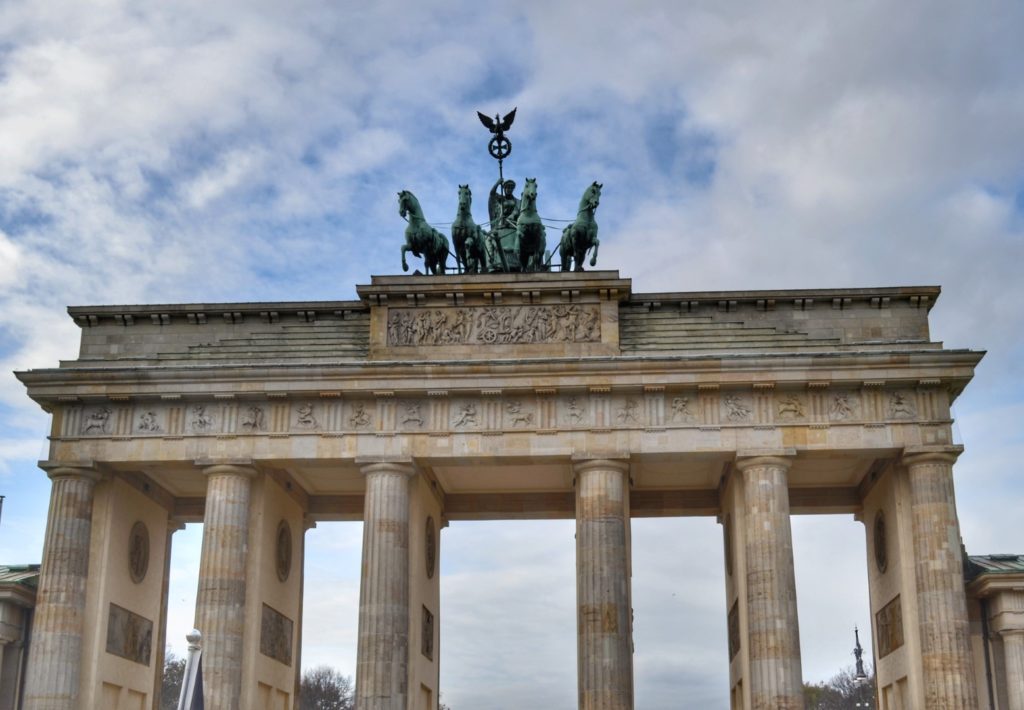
x,y
191,697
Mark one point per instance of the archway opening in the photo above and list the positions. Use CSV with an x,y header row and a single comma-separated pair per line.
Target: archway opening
x,y
508,621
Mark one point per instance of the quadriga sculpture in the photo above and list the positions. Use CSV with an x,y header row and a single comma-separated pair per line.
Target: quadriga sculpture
x,y
530,230
467,236
420,237
581,235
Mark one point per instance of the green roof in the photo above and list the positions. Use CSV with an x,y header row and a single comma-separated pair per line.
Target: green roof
x,y
26,575
978,565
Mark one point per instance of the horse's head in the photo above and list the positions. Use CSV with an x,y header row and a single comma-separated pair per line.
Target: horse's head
x,y
407,203
529,198
465,197
591,197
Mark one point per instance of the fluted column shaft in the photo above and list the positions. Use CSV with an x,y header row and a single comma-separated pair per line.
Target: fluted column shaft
x,y
55,653
605,646
220,600
1013,658
938,567
774,632
382,662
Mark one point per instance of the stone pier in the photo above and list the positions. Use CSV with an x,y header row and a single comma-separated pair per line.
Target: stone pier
x,y
55,653
774,635
220,600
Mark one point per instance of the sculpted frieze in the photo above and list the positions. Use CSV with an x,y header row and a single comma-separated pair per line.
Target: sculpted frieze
x,y
496,325
600,408
97,421
791,407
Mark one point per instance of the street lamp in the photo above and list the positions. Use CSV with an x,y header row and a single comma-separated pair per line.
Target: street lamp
x,y
860,676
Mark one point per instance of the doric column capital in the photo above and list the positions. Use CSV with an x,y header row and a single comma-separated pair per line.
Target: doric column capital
x,y
778,458
395,465
914,455
582,463
72,469
228,467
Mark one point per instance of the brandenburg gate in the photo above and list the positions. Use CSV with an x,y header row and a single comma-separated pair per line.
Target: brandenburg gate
x,y
486,397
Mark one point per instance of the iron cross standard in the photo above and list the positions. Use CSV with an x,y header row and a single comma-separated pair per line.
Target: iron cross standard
x,y
500,147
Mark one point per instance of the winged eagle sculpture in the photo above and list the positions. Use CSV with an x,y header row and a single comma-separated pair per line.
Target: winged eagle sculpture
x,y
497,125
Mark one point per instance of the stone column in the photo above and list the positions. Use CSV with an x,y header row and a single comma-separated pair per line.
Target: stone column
x,y
605,644
1013,658
939,571
55,653
773,627
220,600
382,663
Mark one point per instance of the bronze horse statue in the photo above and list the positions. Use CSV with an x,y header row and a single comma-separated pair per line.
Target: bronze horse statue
x,y
420,237
468,236
530,230
581,235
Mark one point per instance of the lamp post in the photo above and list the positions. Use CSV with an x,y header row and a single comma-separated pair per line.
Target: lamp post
x,y
859,676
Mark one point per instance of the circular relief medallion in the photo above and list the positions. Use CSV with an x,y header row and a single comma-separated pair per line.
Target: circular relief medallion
x,y
283,552
138,551
727,529
881,544
430,547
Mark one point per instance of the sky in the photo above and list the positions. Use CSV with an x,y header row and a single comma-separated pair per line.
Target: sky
x,y
188,151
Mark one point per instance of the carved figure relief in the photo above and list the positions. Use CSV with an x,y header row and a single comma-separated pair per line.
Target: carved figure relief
x,y
517,417
734,630
201,421
129,635
495,325
630,412
283,551
412,416
254,419
573,411
901,406
736,409
427,634
148,422
842,406
681,410
138,552
466,416
889,622
360,418
97,421
791,407
305,417
276,635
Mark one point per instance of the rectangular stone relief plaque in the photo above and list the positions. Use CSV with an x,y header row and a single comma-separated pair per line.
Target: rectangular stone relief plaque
x,y
734,630
129,635
495,325
276,635
889,625
427,635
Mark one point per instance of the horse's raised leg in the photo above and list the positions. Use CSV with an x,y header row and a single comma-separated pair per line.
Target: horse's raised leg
x,y
405,266
593,257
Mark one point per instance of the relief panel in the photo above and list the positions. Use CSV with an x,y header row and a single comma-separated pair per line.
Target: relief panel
x,y
498,325
129,635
